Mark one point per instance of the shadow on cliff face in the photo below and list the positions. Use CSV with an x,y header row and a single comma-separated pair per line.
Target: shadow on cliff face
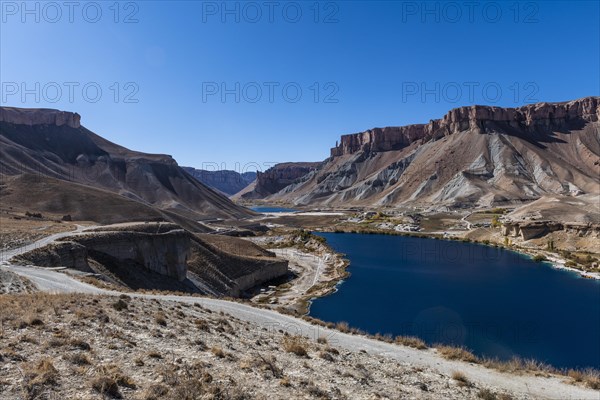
x,y
162,256
135,276
230,266
539,136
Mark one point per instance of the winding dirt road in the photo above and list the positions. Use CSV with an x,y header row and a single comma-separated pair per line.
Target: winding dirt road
x,y
53,281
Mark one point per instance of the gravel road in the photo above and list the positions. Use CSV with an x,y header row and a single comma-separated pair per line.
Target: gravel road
x,y
49,280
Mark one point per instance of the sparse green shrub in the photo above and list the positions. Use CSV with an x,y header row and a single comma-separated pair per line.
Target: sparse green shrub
x,y
495,221
571,264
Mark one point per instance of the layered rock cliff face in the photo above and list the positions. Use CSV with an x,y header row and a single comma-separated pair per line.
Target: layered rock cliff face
x,y
163,253
537,229
232,273
165,257
65,253
578,217
473,156
477,119
53,144
39,116
225,181
276,178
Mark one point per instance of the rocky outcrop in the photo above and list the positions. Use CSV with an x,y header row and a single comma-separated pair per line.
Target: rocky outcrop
x,y
163,256
269,270
163,253
225,181
39,116
536,229
479,119
66,254
230,269
380,139
278,177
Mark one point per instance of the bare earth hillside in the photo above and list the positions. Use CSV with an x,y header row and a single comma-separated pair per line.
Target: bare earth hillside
x,y
90,347
473,156
53,144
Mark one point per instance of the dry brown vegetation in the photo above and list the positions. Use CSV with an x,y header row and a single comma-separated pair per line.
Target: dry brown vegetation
x,y
456,353
19,229
461,378
411,341
90,347
296,345
589,377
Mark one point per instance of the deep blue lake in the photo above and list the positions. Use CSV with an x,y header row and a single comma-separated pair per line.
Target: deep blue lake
x,y
495,302
265,209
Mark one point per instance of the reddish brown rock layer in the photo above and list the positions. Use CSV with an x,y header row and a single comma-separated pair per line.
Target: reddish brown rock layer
x,y
481,119
278,177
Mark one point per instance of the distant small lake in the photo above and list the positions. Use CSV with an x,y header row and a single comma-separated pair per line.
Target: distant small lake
x,y
268,209
496,302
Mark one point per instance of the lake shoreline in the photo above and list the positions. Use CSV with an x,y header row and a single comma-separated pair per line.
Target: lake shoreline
x,y
554,260
553,263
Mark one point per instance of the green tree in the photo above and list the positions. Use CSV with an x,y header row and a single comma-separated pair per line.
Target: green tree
x,y
495,221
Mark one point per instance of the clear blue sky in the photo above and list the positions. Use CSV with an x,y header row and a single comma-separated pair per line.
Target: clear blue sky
x,y
372,63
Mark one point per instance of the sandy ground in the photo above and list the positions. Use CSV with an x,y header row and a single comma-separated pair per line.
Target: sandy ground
x,y
309,268
17,231
559,263
8,254
318,269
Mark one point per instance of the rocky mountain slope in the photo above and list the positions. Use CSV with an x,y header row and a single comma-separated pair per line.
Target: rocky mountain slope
x,y
52,147
473,156
276,178
225,181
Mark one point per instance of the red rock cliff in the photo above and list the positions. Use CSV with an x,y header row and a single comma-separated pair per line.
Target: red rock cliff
x,y
540,116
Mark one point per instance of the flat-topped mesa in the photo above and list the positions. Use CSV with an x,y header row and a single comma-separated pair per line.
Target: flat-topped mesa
x,y
380,139
480,119
282,175
39,116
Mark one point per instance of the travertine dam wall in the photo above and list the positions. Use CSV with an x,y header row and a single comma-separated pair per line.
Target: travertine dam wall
x,y
164,253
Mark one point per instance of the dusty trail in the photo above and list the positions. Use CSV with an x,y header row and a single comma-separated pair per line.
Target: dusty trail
x,y
49,280
6,255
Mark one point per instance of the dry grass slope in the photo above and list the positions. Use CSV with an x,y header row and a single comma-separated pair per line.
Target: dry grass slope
x,y
90,347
